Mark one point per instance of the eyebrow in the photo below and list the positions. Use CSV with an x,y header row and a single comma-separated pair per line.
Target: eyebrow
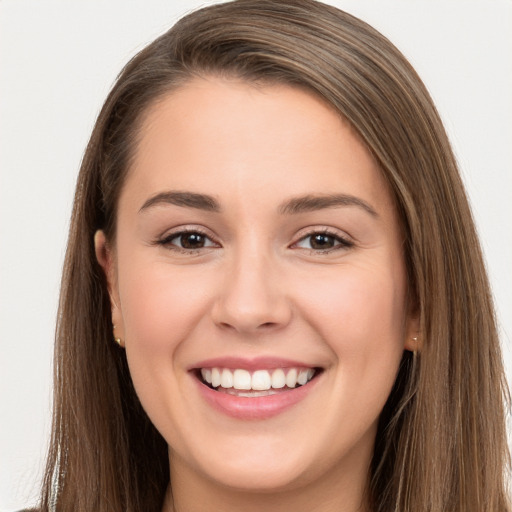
x,y
186,199
310,203
294,206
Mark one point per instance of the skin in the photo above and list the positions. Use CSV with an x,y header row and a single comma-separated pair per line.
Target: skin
x,y
259,288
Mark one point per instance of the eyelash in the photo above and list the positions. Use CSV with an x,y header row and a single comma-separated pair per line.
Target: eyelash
x,y
166,241
341,242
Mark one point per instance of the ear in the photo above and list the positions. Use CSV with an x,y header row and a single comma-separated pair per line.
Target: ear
x,y
105,257
413,341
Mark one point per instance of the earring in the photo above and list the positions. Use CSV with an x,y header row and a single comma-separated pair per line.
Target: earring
x,y
116,339
415,340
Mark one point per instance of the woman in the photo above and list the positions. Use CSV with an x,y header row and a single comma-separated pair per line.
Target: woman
x,y
270,224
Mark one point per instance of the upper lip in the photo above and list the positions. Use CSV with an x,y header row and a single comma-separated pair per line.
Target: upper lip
x,y
253,364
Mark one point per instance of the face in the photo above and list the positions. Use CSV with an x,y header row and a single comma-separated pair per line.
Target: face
x,y
258,285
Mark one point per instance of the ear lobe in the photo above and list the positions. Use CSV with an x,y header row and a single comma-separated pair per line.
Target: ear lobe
x,y
413,344
413,341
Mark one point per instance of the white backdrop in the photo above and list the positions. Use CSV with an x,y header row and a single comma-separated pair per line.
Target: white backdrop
x,y
58,60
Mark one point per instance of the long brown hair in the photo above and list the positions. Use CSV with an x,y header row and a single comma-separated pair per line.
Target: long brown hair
x,y
441,443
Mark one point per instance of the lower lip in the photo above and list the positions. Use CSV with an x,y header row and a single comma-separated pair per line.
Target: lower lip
x,y
257,408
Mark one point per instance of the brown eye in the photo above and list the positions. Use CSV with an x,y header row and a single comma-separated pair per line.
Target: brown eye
x,y
321,241
187,240
191,240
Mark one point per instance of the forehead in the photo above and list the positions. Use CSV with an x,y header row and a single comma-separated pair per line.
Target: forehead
x,y
231,139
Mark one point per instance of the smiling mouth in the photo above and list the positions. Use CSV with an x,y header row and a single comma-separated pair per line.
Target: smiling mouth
x,y
243,383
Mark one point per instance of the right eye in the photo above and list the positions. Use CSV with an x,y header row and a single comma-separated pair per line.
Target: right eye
x,y
187,241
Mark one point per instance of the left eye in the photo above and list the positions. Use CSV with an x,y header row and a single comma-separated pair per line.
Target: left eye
x,y
322,242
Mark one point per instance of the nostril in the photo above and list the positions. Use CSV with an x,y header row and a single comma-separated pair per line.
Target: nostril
x,y
241,327
226,325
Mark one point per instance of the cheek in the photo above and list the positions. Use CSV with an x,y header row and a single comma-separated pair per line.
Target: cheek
x,y
360,314
356,299
160,307
361,318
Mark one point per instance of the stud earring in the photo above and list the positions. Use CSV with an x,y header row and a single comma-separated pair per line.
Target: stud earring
x,y
116,339
415,340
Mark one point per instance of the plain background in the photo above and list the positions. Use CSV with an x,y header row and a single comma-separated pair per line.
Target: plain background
x,y
58,59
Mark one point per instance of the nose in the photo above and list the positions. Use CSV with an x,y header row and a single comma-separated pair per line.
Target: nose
x,y
251,298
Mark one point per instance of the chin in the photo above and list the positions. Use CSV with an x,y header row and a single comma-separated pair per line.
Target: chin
x,y
258,479
257,470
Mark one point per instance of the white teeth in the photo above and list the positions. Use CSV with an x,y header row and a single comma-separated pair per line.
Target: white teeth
x,y
303,377
215,377
250,394
291,378
206,373
278,379
226,379
260,380
241,379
